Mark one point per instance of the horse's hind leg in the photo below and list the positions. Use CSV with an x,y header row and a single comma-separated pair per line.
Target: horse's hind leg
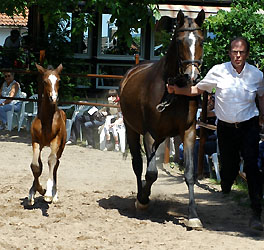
x,y
36,167
133,140
152,172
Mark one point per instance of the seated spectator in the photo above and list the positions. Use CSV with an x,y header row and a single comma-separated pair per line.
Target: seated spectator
x,y
10,88
112,119
11,45
90,119
117,128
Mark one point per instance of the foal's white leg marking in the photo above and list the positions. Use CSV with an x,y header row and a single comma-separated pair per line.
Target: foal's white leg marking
x,y
132,74
51,184
192,50
53,79
32,191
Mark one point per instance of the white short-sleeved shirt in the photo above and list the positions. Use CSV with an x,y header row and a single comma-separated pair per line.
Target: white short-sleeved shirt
x,y
235,93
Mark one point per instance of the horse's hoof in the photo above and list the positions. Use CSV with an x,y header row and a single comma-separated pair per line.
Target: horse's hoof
x,y
195,223
48,199
31,202
140,206
55,199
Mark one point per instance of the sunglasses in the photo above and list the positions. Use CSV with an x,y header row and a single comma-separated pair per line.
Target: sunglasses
x,y
7,76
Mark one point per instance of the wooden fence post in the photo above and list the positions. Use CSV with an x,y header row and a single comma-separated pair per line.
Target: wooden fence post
x,y
137,59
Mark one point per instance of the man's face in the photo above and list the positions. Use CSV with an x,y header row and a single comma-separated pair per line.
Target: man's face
x,y
238,54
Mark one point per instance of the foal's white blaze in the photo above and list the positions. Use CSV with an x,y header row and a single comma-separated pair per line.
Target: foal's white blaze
x,y
192,50
53,80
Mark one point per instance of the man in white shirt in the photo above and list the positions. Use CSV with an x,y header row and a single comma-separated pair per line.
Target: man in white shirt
x,y
236,83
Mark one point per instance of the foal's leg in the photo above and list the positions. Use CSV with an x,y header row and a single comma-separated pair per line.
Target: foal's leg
x,y
36,167
189,140
53,162
133,140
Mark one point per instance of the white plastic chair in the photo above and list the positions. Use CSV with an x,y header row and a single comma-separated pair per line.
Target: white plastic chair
x,y
79,109
11,114
31,110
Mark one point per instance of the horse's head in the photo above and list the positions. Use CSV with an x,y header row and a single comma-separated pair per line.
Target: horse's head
x,y
184,56
189,42
50,81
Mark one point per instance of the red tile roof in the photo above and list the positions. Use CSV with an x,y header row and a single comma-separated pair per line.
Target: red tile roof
x,y
16,20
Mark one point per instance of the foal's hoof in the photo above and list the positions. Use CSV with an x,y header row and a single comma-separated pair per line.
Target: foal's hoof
x,y
194,223
48,199
140,206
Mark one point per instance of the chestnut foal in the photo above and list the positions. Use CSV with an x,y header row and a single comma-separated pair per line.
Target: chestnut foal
x,y
47,129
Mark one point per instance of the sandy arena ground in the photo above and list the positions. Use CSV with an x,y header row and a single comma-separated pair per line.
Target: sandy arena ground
x,y
96,210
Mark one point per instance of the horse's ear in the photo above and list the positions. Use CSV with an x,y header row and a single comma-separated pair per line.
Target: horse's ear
x,y
40,68
59,69
200,18
165,23
180,18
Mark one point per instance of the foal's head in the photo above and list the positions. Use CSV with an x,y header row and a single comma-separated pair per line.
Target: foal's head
x,y
50,81
189,42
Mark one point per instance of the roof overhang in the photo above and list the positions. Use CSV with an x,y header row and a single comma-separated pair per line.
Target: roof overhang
x,y
189,10
217,3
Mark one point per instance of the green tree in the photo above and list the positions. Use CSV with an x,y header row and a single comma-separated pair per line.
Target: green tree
x,y
128,14
243,20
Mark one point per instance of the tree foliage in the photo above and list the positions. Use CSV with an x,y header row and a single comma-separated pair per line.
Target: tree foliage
x,y
243,20
128,14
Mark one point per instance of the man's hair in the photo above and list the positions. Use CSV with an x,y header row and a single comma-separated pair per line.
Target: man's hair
x,y
112,92
239,38
14,33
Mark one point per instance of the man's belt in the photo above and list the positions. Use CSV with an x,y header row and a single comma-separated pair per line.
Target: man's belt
x,y
238,124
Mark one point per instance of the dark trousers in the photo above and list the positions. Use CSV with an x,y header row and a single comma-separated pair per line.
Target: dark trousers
x,y
75,130
242,141
87,128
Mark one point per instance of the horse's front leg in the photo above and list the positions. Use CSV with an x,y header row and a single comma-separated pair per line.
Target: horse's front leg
x,y
51,194
189,141
36,167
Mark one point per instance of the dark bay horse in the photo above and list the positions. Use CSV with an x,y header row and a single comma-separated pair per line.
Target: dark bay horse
x,y
143,88
47,129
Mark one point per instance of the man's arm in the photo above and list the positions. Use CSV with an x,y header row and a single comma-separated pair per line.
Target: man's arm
x,y
189,91
261,109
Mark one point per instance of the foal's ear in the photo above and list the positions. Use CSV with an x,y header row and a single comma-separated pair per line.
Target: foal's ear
x,y
59,69
200,18
40,68
180,18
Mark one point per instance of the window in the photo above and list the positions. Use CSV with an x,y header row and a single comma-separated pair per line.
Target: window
x,y
81,42
110,69
111,46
